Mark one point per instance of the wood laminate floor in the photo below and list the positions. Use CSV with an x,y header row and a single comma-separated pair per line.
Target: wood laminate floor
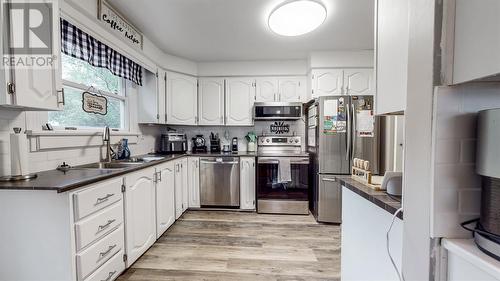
x,y
218,245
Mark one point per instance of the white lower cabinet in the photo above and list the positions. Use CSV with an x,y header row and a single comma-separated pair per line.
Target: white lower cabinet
x,y
140,209
165,197
364,240
247,183
193,177
181,187
96,255
110,270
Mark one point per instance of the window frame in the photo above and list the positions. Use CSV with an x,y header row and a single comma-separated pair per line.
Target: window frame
x,y
125,116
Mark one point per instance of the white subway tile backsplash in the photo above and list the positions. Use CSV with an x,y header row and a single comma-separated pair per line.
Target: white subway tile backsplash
x,y
447,151
468,151
456,187
457,176
469,201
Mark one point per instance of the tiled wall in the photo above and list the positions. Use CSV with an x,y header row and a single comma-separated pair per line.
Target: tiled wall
x,y
260,128
50,159
456,187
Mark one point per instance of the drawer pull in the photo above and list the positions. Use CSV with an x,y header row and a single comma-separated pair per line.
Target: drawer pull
x,y
111,273
104,226
103,199
103,254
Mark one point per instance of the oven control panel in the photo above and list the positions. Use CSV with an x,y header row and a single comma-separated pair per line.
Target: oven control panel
x,y
279,141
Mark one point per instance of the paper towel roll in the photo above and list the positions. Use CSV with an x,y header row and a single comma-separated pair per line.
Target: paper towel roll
x,y
19,154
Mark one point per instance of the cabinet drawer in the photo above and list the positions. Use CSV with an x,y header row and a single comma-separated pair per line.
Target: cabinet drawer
x,y
110,270
93,199
96,255
96,225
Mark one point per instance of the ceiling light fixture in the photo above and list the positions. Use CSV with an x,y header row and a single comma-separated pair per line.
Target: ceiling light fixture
x,y
297,17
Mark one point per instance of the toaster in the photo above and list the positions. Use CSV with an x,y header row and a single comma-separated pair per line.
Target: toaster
x,y
173,143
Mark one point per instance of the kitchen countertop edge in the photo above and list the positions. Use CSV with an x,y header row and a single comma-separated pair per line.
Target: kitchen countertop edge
x,y
60,187
379,198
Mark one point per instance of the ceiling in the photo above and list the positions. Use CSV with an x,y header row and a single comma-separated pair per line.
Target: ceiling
x,y
226,30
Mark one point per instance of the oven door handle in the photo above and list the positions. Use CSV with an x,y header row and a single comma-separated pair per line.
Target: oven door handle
x,y
276,161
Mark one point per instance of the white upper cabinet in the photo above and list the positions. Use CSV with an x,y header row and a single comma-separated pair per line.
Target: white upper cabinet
x,y
473,41
391,55
151,98
359,81
182,99
31,88
211,101
327,82
140,213
162,96
284,89
193,176
247,183
292,89
267,89
165,197
240,97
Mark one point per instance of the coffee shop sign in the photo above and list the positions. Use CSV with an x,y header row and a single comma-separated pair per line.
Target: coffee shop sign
x,y
119,25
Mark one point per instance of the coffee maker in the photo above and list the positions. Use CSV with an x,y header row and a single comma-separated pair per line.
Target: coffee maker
x,y
234,145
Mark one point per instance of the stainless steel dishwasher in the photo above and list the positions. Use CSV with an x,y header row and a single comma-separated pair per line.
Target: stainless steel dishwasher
x,y
220,182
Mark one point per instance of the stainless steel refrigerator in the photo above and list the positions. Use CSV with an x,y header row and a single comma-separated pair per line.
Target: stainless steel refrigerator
x,y
339,129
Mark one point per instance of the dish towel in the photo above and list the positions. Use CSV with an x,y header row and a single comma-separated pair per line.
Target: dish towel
x,y
284,170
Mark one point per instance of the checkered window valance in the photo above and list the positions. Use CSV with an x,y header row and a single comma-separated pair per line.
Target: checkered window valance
x,y
78,44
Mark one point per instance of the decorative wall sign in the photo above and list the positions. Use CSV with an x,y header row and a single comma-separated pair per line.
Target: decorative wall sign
x,y
118,24
92,103
279,128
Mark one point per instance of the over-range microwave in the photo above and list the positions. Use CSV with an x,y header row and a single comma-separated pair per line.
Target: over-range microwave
x,y
277,110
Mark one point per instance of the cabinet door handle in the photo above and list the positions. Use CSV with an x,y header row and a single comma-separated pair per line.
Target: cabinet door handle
x,y
159,176
111,273
103,254
330,179
104,226
103,199
63,102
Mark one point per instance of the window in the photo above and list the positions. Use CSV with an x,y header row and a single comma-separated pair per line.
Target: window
x,y
79,76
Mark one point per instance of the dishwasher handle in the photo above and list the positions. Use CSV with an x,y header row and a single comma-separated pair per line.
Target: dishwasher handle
x,y
219,162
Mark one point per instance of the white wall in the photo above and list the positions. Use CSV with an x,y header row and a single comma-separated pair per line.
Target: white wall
x,y
418,139
253,68
88,8
456,188
341,59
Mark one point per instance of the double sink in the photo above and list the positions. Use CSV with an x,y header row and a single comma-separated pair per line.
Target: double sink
x,y
113,165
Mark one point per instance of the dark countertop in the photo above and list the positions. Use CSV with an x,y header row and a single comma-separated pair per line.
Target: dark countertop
x,y
379,198
74,178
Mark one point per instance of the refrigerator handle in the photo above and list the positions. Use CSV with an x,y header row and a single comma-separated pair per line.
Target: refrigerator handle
x,y
354,133
348,133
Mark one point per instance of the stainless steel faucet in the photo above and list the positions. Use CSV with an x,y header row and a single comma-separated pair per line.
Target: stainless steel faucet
x,y
106,138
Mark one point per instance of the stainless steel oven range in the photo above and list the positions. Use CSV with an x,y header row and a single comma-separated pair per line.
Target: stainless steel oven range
x,y
282,175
